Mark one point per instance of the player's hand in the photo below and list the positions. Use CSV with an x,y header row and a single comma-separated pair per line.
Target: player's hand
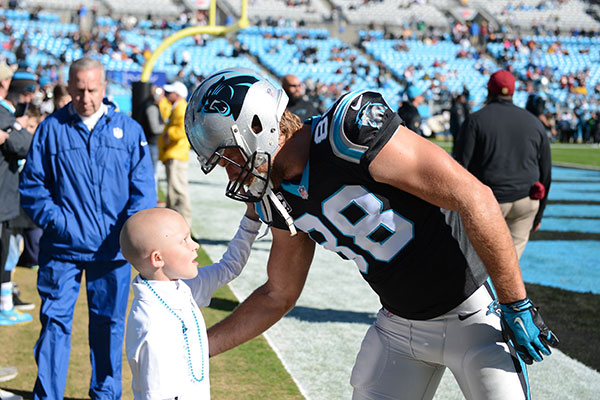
x,y
523,324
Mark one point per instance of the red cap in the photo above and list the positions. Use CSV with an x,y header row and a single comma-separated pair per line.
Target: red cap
x,y
501,83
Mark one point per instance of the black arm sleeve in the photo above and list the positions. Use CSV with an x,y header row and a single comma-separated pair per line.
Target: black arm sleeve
x,y
17,145
464,143
545,164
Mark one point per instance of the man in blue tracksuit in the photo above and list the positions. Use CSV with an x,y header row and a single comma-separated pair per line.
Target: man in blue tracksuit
x,y
88,170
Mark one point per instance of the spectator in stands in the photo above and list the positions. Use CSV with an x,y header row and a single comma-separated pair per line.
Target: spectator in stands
x,y
409,112
14,144
506,148
484,34
22,50
174,152
239,49
60,96
299,102
66,171
474,32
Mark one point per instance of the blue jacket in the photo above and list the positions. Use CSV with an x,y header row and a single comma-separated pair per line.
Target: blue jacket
x,y
80,187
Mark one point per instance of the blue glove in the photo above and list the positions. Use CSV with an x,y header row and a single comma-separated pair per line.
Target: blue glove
x,y
523,324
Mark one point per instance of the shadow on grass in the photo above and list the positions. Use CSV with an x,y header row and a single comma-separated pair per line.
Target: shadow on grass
x,y
308,314
328,315
574,318
218,303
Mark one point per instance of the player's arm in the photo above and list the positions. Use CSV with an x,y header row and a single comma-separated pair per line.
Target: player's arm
x,y
287,268
424,169
415,165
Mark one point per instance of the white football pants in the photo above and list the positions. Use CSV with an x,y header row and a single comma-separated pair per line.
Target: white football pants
x,y
405,359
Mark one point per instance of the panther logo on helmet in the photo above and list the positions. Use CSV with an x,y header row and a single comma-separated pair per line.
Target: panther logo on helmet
x,y
226,96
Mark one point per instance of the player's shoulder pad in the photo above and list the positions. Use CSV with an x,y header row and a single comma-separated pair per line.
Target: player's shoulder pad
x,y
353,123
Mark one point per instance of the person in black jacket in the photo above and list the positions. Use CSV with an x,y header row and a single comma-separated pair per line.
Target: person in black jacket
x,y
152,122
458,113
536,104
409,112
299,103
14,145
506,148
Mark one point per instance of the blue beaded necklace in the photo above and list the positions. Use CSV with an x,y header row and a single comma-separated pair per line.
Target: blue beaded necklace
x,y
185,336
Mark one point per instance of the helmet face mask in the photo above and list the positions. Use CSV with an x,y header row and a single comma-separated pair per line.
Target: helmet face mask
x,y
237,108
250,184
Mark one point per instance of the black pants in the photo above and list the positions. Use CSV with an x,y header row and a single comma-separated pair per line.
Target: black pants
x,y
5,233
31,247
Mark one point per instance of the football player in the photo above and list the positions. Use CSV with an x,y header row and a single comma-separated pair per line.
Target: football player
x,y
426,235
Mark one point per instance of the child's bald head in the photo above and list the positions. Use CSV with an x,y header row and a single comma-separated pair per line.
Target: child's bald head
x,y
143,233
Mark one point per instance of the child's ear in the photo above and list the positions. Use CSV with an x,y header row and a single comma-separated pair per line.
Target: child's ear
x,y
156,259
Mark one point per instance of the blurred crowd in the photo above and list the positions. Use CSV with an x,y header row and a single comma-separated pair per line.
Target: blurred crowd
x,y
571,118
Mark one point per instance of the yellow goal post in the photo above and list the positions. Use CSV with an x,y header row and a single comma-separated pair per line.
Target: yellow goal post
x,y
211,29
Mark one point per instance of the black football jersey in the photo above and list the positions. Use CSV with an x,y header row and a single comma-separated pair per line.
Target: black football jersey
x,y
415,255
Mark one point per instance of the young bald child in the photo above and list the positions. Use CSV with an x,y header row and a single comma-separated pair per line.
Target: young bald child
x,y
166,342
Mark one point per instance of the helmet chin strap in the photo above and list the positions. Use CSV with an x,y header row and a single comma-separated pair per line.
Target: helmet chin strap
x,y
280,208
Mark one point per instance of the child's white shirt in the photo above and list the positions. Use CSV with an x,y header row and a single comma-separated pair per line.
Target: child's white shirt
x,y
156,347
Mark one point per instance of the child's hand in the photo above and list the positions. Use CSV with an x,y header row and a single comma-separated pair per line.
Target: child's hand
x,y
251,211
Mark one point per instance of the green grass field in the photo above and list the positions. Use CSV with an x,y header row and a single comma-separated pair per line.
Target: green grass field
x,y
570,154
251,371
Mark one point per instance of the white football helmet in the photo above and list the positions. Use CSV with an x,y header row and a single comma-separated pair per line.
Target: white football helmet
x,y
236,108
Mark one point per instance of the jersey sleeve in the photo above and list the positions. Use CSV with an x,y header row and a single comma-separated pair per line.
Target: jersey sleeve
x,y
360,124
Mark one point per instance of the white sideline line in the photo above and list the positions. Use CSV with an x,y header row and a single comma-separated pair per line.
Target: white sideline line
x,y
273,345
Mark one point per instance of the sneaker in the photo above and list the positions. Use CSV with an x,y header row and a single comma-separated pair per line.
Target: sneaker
x,y
18,303
14,317
7,373
22,305
4,395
